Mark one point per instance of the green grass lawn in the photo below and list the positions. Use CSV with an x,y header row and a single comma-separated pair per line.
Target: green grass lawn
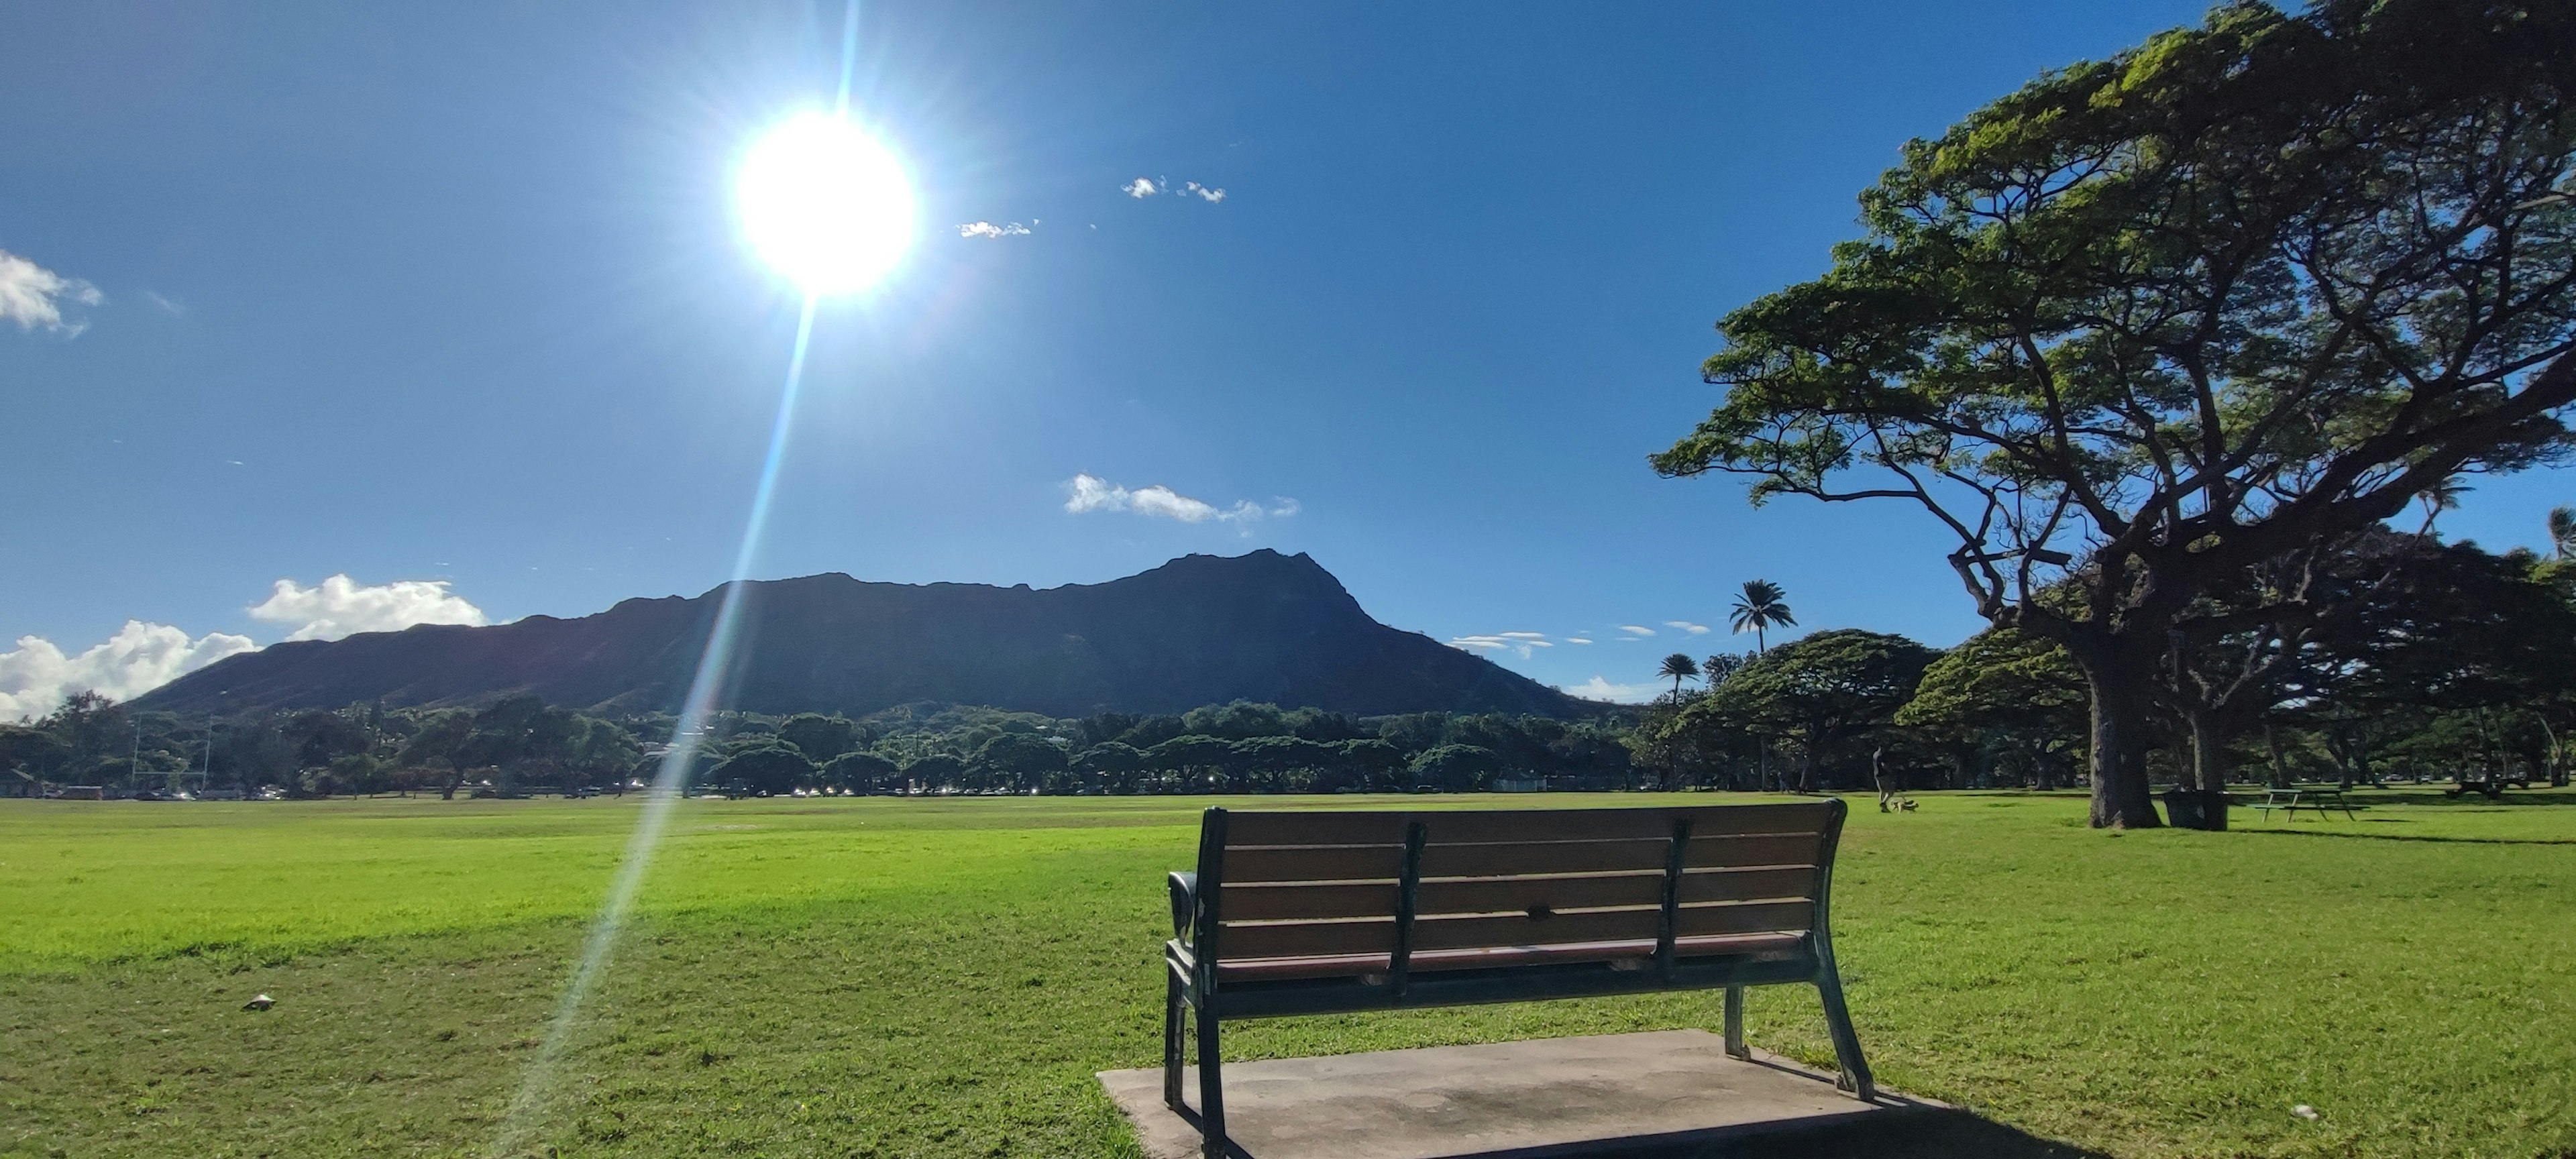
x,y
889,977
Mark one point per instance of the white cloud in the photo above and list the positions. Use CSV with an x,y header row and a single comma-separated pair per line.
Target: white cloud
x,y
1636,631
1600,689
1087,492
1576,640
33,296
1140,187
339,606
1520,642
988,229
1687,626
140,657
173,306
1211,196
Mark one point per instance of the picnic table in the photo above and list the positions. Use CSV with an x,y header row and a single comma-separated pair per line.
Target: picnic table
x,y
2316,797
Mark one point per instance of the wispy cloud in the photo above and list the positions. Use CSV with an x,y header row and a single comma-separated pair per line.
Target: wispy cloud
x,y
1600,689
172,306
988,229
1636,631
1519,642
35,676
1687,626
1577,640
33,296
1144,187
1087,493
340,606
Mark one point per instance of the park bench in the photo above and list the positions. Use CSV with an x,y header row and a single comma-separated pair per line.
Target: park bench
x,y
1331,912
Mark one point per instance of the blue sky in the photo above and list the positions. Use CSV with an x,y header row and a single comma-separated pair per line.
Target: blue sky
x,y
454,295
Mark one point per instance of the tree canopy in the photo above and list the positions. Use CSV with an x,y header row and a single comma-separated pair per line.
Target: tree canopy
x,y
2155,320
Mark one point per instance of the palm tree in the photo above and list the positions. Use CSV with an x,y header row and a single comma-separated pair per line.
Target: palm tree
x,y
2440,497
1763,605
2562,531
1680,667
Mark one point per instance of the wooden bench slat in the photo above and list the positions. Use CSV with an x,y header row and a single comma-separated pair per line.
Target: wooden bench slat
x,y
1747,884
1750,918
1305,939
1516,825
1334,899
1731,852
1462,933
1356,827
1515,858
1329,863
1487,895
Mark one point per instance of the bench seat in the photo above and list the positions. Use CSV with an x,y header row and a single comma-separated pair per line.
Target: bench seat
x,y
1327,912
1373,968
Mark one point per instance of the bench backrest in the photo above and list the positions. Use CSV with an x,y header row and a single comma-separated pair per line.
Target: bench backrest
x,y
1627,881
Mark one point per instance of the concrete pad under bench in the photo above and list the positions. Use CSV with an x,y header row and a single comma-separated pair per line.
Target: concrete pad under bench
x,y
1670,1091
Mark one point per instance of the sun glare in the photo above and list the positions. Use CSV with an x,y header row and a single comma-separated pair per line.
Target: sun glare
x,y
826,204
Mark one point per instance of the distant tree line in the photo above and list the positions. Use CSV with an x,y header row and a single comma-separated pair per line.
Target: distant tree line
x,y
2408,658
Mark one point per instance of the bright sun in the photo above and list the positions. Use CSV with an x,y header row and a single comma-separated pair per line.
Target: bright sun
x,y
825,203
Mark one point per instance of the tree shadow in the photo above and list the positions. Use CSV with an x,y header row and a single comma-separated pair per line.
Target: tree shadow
x,y
1915,1132
2351,835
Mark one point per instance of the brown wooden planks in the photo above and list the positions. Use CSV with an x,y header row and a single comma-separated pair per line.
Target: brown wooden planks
x,y
1777,849
1315,828
1501,860
1725,820
1748,918
1518,894
1468,827
1458,933
1748,884
1305,939
1336,899
1315,863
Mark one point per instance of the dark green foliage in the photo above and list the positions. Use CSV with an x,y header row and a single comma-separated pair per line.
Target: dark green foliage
x,y
2154,321
1455,768
1016,761
934,772
771,769
862,772
819,737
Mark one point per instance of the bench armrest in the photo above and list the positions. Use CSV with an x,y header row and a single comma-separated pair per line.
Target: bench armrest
x,y
1185,903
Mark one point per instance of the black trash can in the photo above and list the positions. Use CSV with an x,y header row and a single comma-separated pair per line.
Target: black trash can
x,y
2195,809
2182,808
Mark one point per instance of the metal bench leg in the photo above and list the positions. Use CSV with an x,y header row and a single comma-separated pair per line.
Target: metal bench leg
x,y
1855,1077
1735,1047
1211,1091
1172,1010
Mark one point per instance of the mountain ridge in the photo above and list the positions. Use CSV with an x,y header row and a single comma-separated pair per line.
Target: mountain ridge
x,y
1199,629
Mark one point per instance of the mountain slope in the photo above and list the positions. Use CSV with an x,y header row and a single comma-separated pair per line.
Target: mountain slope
x,y
1198,630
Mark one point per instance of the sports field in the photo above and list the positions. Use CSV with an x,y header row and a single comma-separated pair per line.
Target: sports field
x,y
919,977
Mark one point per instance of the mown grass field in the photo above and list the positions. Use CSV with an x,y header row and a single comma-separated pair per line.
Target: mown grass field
x,y
893,977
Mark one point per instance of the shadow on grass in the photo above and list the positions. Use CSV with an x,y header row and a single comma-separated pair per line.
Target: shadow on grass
x,y
1920,1133
1913,1132
2436,796
2353,835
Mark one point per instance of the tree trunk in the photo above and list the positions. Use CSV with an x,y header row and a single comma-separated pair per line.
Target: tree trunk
x,y
2118,759
2208,752
2280,766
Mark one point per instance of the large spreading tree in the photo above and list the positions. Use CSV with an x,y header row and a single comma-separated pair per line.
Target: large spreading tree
x,y
2154,321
